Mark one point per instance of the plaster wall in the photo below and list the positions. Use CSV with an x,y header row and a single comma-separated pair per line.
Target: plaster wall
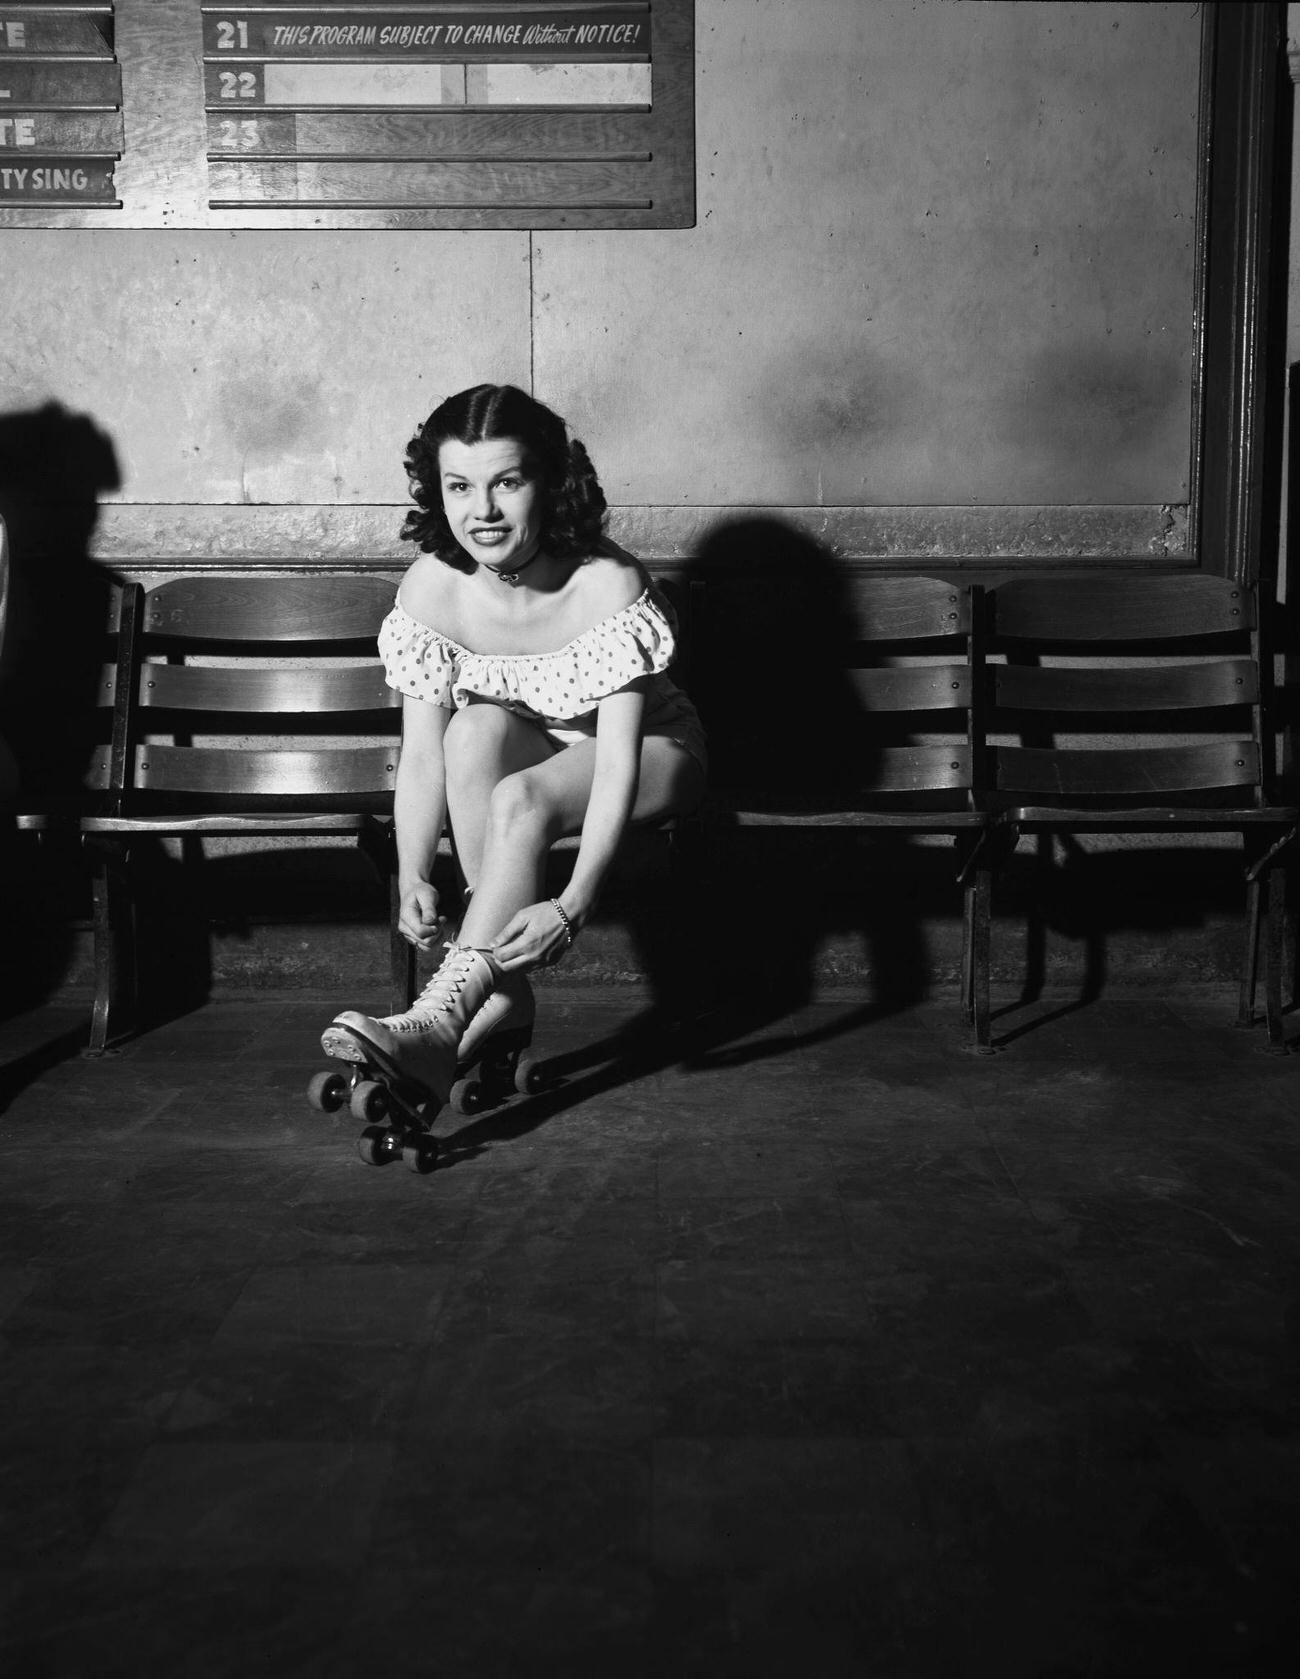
x,y
942,260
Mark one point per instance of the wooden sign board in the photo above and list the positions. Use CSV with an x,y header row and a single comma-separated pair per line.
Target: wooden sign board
x,y
494,114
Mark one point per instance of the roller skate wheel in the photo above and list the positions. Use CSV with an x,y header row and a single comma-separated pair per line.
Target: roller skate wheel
x,y
530,1076
377,1145
466,1096
369,1101
328,1091
420,1154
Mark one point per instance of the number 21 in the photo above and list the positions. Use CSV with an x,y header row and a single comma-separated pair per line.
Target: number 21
x,y
226,36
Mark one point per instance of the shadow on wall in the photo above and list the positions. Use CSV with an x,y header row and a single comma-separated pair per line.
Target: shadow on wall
x,y
768,673
54,466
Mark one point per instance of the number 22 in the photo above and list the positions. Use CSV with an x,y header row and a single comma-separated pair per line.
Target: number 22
x,y
238,84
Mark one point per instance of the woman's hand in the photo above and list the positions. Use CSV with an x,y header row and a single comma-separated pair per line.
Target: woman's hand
x,y
418,920
535,938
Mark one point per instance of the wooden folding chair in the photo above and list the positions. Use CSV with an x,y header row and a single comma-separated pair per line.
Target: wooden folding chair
x,y
246,707
1142,707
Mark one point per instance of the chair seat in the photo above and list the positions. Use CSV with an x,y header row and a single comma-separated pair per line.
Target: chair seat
x,y
1163,818
327,822
932,821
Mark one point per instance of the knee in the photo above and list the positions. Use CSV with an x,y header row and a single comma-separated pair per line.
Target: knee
x,y
474,735
517,810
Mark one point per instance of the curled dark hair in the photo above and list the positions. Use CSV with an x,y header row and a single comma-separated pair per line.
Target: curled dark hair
x,y
573,503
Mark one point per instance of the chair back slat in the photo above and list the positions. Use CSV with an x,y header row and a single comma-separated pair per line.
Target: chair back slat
x,y
1125,772
234,772
1114,609
884,609
1185,687
912,688
917,769
269,609
301,691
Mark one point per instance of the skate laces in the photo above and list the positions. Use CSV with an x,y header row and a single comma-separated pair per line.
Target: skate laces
x,y
441,994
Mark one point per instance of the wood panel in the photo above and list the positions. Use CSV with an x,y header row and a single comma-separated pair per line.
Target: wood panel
x,y
1139,772
1150,688
1134,609
258,609
293,692
219,770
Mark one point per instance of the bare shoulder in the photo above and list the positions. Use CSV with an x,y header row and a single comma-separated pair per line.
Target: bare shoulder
x,y
430,592
606,583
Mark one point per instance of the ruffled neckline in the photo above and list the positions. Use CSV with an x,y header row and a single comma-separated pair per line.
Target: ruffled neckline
x,y
639,605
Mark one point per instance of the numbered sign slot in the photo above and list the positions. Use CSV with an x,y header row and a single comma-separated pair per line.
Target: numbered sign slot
x,y
57,180
450,136
60,84
422,86
26,30
60,133
532,32
435,186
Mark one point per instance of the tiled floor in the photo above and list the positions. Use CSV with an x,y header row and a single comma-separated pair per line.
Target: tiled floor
x,y
835,1351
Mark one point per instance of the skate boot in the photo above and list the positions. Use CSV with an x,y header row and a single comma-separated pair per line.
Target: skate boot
x,y
495,1061
508,1013
420,1047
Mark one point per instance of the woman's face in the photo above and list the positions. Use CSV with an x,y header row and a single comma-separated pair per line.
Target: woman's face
x,y
492,500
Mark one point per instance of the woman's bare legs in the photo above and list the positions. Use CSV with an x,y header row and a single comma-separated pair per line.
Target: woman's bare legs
x,y
484,745
510,796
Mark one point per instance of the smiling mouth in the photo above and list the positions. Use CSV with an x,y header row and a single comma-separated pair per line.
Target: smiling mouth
x,y
489,538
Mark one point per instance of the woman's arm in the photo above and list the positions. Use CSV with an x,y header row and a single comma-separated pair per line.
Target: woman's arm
x,y
420,808
613,795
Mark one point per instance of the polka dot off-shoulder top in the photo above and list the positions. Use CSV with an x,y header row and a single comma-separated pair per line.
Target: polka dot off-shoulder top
x,y
560,691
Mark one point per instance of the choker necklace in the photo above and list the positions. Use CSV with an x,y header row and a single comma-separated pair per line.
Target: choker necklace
x,y
513,576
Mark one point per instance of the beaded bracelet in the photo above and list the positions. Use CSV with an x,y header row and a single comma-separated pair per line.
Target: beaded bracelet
x,y
558,907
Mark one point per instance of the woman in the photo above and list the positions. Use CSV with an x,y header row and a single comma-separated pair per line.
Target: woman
x,y
531,656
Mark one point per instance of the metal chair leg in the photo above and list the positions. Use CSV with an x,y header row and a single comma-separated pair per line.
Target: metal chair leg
x,y
116,1011
1250,956
967,951
1274,931
981,959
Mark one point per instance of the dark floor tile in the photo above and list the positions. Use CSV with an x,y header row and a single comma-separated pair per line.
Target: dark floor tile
x,y
705,1164
776,1390
545,1286
223,1505
760,1228
586,1386
509,1621
366,1304
137,1302
324,1391
501,1503
16,1283
826,1537
599,1173
186,1623
730,1300
1052,1547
